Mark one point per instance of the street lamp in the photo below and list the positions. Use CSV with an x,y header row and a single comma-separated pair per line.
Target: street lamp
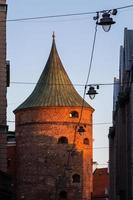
x,y
106,21
81,129
92,92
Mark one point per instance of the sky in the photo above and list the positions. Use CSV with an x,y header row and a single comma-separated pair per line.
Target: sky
x,y
29,44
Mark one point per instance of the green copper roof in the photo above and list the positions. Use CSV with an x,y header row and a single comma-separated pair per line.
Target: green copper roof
x,y
54,87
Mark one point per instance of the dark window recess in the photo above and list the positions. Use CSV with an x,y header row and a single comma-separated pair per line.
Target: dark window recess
x,y
76,178
74,114
63,195
3,7
86,141
50,196
7,73
122,195
8,162
63,140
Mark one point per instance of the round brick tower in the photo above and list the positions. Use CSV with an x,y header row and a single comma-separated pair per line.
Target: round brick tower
x,y
54,161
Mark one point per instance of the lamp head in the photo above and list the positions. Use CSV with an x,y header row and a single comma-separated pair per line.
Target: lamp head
x,y
92,92
81,129
106,21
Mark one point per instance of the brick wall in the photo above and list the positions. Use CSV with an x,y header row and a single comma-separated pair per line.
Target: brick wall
x,y
100,184
2,1
3,101
41,160
11,159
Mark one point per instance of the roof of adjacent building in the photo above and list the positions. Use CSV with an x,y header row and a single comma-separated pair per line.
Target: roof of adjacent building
x,y
100,183
54,87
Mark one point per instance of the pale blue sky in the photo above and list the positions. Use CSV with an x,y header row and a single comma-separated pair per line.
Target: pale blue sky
x,y
29,43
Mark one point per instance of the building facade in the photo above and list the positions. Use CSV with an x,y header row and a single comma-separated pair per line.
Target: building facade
x,y
5,178
54,150
5,186
11,154
3,86
100,184
121,134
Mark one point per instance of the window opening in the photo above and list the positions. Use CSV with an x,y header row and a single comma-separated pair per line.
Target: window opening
x,y
76,178
63,195
86,141
74,114
63,140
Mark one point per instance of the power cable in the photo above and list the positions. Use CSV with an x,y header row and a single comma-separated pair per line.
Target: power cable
x,y
76,84
81,112
65,15
88,75
80,116
94,124
97,123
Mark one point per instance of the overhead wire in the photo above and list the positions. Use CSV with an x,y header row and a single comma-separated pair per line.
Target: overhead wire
x,y
65,15
85,86
81,112
87,79
94,124
90,66
66,166
76,84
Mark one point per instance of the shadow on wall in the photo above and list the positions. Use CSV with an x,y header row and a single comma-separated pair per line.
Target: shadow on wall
x,y
48,167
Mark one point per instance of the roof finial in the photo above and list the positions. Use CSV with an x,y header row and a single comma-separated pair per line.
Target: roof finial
x,y
53,35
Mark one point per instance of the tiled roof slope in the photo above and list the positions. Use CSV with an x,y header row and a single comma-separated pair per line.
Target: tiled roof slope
x,y
54,87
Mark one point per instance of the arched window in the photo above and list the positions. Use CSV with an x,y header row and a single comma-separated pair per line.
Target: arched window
x,y
63,140
76,178
74,114
86,141
63,195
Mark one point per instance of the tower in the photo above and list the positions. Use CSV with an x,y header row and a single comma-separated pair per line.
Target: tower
x,y
54,161
3,85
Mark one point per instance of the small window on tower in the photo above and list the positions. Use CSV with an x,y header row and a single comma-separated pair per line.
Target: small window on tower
x,y
63,140
86,141
74,114
76,178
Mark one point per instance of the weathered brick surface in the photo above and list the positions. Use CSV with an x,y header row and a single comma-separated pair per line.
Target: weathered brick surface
x,y
3,162
2,69
100,184
11,159
3,90
42,169
3,1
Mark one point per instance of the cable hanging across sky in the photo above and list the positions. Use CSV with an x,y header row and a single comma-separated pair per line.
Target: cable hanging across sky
x,y
65,15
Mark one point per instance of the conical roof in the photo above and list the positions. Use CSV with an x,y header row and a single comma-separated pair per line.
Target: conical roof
x,y
54,87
